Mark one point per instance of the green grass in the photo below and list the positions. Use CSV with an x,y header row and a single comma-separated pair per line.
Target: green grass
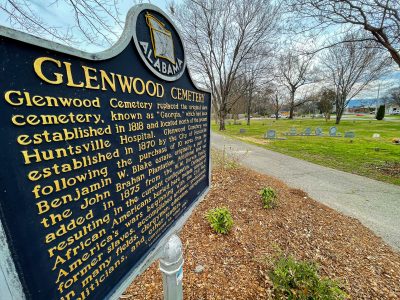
x,y
363,155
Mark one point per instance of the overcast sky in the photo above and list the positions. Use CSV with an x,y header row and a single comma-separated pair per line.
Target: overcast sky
x,y
61,15
57,13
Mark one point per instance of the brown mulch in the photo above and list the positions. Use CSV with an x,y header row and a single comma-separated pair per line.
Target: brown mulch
x,y
235,265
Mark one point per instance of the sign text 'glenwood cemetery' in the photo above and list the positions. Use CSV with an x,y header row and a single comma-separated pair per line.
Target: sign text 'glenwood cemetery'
x,y
102,157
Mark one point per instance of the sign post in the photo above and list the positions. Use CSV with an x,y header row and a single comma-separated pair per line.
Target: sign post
x,y
103,158
171,266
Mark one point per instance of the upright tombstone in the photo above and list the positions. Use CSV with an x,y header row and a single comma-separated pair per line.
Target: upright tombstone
x,y
104,156
271,134
242,130
333,131
307,131
318,131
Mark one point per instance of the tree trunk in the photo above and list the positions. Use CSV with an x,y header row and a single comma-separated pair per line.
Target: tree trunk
x,y
339,113
291,111
277,107
248,112
221,121
327,117
340,108
277,112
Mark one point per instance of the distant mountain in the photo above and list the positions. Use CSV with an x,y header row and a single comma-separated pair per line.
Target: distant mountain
x,y
367,102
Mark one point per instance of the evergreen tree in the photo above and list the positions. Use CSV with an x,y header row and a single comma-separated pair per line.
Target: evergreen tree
x,y
380,114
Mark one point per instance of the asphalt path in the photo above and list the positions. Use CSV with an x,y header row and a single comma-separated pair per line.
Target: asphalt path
x,y
375,204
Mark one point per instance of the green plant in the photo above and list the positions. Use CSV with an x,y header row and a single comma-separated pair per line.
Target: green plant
x,y
380,114
269,197
221,159
299,280
220,219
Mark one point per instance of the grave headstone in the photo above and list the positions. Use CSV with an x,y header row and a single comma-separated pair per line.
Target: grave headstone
x,y
271,134
349,134
307,131
242,130
333,131
376,135
293,131
318,131
104,157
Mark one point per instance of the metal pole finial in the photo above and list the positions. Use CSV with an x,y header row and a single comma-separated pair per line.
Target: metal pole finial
x,y
171,265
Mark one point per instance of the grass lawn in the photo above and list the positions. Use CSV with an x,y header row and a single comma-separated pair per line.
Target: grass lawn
x,y
376,158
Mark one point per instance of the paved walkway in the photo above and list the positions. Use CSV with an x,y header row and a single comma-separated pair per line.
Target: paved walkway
x,y
375,204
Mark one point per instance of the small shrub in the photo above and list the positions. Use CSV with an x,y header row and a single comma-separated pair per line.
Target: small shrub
x,y
220,220
380,114
298,280
269,197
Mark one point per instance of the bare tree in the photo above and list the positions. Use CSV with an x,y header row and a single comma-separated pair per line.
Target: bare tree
x,y
378,19
393,96
351,67
238,96
326,100
262,103
95,21
221,37
250,90
293,72
256,76
277,100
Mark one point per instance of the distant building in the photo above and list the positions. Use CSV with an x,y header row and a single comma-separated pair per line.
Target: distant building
x,y
393,109
363,105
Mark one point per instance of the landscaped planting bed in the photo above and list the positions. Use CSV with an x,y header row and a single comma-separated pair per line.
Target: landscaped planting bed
x,y
237,265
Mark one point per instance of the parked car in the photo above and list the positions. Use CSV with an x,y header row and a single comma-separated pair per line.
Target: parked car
x,y
395,112
273,116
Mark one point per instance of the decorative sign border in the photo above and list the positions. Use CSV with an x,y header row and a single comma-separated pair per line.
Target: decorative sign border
x,y
10,284
135,39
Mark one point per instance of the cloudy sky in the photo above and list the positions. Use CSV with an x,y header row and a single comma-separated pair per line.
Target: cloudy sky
x,y
60,15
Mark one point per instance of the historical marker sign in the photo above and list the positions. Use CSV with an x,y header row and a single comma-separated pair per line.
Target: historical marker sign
x,y
102,157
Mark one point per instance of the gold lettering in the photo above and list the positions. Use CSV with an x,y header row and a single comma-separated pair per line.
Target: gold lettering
x,y
89,78
104,78
70,77
173,93
135,86
9,100
37,65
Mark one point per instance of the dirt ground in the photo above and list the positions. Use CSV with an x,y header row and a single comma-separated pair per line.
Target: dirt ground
x,y
236,265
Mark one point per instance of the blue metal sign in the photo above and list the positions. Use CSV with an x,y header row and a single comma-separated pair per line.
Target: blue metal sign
x,y
103,156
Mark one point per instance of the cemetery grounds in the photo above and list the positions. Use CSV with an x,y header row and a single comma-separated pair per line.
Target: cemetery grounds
x,y
376,158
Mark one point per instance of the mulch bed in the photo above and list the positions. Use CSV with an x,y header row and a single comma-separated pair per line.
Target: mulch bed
x,y
235,265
